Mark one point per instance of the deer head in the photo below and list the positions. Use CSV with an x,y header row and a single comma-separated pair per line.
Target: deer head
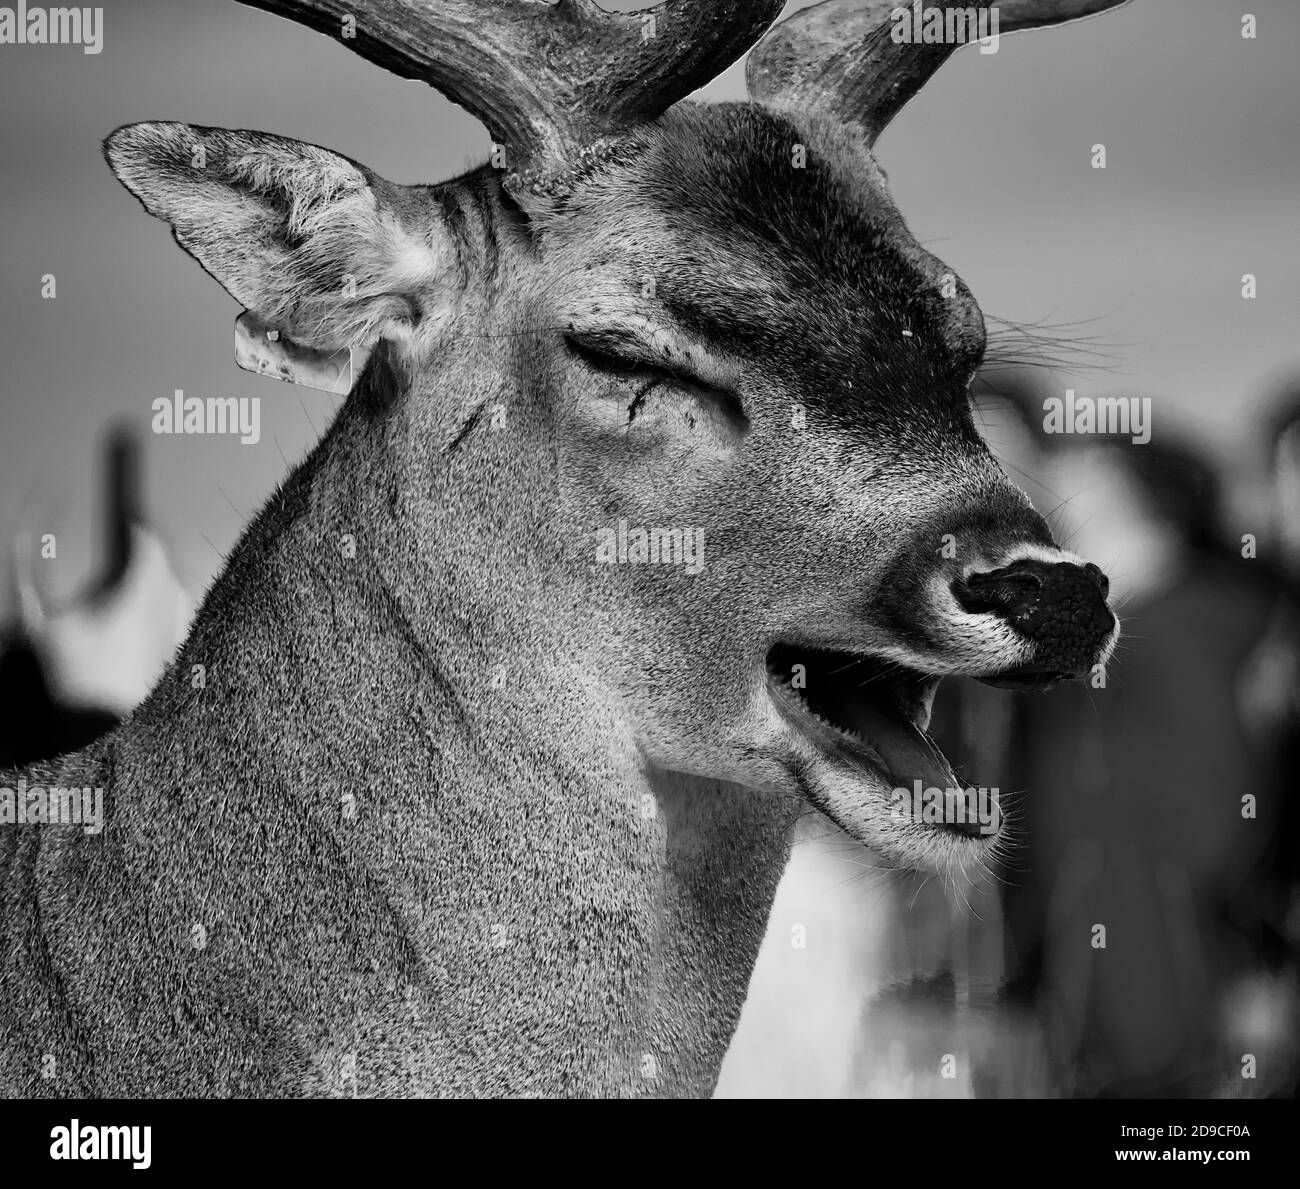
x,y
709,324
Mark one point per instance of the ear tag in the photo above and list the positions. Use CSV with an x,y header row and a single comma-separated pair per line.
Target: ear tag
x,y
262,349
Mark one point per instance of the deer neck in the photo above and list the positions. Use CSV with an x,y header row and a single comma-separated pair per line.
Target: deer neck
x,y
495,860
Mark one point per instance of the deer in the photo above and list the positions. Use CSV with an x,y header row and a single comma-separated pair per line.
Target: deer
x,y
434,800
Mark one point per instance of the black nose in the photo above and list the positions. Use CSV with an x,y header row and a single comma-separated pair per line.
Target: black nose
x,y
1058,606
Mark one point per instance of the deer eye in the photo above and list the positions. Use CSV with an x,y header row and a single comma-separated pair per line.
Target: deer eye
x,y
622,367
629,369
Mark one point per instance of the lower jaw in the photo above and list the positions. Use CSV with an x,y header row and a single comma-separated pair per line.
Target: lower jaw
x,y
889,748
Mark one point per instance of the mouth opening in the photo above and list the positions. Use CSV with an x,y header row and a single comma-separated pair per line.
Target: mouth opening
x,y
865,709
1028,680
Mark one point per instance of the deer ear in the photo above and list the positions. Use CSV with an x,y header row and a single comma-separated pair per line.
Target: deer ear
x,y
308,241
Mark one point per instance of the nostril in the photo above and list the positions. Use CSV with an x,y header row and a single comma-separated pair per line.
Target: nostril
x,y
1008,592
1095,573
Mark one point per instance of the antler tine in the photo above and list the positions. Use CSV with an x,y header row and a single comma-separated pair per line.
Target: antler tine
x,y
549,78
840,57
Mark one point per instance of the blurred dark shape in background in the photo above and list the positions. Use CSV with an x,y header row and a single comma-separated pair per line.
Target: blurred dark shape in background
x,y
1278,709
34,725
1155,806
69,673
1151,907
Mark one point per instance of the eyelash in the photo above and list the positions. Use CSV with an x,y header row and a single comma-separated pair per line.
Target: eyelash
x,y
622,368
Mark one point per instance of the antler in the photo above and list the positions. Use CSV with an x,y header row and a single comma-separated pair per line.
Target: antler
x,y
549,78
840,57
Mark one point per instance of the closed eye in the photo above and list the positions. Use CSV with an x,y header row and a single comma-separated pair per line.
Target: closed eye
x,y
622,367
629,369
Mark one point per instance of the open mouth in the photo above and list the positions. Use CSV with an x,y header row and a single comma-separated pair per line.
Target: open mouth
x,y
864,709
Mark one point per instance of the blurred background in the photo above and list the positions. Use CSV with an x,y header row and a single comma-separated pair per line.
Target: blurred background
x,y
1127,800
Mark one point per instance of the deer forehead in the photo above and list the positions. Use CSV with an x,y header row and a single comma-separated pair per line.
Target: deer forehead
x,y
746,232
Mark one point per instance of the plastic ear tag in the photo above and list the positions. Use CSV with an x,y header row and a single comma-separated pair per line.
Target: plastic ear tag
x,y
262,349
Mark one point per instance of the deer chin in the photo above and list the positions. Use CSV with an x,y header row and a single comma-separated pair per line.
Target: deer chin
x,y
866,756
